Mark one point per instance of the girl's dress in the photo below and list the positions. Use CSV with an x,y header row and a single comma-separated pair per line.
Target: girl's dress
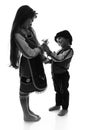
x,y
32,75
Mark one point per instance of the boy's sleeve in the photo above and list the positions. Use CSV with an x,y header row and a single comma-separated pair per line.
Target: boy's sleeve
x,y
61,57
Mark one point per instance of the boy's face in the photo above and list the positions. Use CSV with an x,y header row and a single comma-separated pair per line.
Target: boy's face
x,y
62,42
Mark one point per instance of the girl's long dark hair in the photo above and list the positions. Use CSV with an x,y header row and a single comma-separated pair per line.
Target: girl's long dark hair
x,y
23,13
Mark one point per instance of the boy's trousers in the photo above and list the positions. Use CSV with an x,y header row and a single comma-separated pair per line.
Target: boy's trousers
x,y
61,84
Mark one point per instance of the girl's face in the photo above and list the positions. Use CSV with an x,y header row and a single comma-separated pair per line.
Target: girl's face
x,y
62,42
28,23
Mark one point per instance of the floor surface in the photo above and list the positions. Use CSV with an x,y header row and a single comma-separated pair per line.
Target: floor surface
x,y
11,114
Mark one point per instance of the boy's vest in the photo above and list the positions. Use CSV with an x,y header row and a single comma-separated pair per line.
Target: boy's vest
x,y
63,66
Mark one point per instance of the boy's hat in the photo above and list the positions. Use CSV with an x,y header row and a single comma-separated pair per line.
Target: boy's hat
x,y
65,34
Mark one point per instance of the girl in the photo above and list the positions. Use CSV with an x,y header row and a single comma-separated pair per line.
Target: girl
x,y
26,54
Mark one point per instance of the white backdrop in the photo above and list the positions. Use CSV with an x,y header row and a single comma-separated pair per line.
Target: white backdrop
x,y
53,16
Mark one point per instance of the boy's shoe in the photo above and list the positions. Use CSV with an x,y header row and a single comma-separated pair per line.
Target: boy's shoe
x,y
54,108
63,112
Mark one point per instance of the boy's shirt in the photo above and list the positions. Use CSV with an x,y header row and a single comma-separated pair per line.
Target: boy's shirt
x,y
61,60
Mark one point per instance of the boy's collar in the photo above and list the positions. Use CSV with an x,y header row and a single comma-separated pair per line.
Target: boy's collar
x,y
66,48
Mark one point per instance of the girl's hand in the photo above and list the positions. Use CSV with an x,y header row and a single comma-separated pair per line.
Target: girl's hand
x,y
45,47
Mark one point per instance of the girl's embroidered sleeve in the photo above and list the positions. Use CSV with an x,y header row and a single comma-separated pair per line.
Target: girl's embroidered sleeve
x,y
24,48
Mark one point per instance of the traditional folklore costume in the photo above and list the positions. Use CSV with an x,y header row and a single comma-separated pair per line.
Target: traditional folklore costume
x,y
60,76
31,71
32,75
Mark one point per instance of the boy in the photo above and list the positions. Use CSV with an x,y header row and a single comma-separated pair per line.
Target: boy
x,y
60,74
